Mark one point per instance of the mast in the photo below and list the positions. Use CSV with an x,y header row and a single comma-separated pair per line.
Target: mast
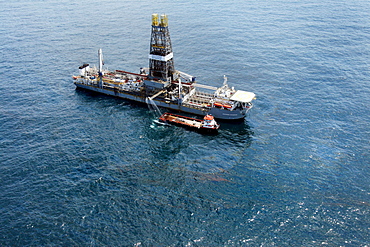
x,y
161,64
100,55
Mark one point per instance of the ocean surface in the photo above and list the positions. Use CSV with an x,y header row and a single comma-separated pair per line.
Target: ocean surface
x,y
82,169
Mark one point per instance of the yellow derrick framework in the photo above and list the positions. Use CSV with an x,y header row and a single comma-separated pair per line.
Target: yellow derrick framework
x,y
155,20
164,20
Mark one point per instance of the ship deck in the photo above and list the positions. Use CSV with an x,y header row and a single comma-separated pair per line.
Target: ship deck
x,y
190,122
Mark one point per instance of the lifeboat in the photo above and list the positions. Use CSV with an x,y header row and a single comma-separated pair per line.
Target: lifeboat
x,y
220,105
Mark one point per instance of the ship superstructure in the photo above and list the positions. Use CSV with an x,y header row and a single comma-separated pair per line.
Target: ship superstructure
x,y
161,83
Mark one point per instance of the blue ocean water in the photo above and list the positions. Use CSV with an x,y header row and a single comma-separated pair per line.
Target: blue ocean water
x,y
81,169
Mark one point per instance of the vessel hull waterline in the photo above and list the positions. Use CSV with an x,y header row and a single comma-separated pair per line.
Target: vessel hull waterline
x,y
218,113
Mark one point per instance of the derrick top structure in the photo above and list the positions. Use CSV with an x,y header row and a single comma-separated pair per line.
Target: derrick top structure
x,y
161,65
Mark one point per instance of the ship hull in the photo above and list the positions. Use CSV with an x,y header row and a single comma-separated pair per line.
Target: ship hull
x,y
218,113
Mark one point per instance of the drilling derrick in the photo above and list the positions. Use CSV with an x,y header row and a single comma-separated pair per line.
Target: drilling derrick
x,y
161,64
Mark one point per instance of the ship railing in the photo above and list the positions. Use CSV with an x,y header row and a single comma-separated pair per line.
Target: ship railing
x,y
205,86
194,105
200,98
205,98
205,94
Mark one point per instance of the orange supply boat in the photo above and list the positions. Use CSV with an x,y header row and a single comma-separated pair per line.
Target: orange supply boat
x,y
208,124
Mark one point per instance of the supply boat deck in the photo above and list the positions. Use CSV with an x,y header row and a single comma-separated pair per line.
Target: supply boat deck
x,y
208,124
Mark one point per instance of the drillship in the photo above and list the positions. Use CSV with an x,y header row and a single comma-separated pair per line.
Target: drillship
x,y
163,85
